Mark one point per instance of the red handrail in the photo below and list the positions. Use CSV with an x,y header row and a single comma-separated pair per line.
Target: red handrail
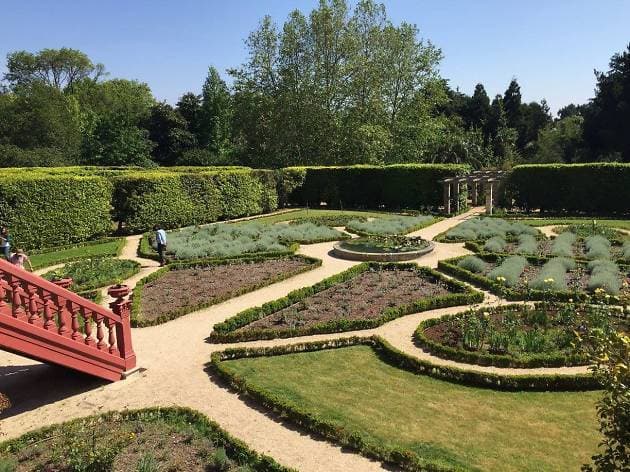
x,y
64,319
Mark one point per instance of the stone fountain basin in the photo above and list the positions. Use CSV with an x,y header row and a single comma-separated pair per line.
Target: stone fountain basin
x,y
365,256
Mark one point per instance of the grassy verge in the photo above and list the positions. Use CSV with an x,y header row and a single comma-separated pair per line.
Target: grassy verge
x,y
145,440
621,224
94,273
373,400
307,214
101,248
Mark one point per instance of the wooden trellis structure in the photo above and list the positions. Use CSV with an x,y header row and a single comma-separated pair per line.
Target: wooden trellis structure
x,y
488,180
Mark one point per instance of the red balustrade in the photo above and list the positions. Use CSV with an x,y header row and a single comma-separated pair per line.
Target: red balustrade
x,y
47,322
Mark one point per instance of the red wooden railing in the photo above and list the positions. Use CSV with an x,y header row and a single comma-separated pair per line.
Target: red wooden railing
x,y
49,323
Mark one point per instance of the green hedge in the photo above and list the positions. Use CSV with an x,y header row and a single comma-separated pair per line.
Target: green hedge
x,y
234,448
176,199
44,210
602,188
136,306
414,186
226,331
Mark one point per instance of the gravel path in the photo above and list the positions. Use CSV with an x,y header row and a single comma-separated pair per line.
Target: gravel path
x,y
174,356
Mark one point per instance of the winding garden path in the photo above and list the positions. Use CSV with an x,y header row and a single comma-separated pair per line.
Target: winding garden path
x,y
174,357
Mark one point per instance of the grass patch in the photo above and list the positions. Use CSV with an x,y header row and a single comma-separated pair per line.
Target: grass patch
x,y
377,405
308,214
52,256
90,274
391,225
610,223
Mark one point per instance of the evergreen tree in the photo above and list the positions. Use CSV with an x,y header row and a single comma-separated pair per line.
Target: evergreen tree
x,y
214,114
512,104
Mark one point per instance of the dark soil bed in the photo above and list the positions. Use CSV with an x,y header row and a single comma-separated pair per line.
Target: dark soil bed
x,y
179,289
365,296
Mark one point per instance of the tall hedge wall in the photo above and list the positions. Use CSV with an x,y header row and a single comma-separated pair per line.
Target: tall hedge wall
x,y
175,199
591,188
46,210
397,186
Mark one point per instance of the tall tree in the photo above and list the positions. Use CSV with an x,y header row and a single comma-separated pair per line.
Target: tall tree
x,y
169,131
214,114
189,107
59,68
512,104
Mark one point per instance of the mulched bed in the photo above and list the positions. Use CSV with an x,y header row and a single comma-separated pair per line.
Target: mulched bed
x,y
365,296
181,288
579,250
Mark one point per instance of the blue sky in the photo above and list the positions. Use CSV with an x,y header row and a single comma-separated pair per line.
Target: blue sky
x,y
550,46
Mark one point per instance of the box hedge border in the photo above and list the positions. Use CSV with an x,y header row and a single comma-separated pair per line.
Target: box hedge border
x,y
489,359
136,304
235,448
226,330
450,267
400,457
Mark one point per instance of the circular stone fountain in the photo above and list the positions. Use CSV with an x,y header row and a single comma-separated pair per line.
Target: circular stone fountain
x,y
382,248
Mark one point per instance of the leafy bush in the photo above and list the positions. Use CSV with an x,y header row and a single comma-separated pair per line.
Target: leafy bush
x,y
395,186
495,244
229,240
562,245
390,224
591,188
94,273
605,274
597,247
484,228
44,210
473,264
527,244
510,270
552,274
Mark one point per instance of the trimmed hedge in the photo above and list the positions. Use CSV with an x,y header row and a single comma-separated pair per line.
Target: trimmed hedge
x,y
47,210
226,330
406,459
598,188
399,186
486,358
176,199
234,448
136,305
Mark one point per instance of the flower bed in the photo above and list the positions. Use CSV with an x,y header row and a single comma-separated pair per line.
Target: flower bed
x,y
182,288
144,440
363,297
476,229
90,274
391,225
518,336
579,281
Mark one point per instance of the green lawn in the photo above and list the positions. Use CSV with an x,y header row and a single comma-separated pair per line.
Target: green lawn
x,y
108,247
307,213
623,224
477,429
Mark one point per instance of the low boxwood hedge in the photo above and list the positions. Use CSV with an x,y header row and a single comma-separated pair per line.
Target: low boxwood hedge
x,y
489,359
234,448
136,306
226,331
355,440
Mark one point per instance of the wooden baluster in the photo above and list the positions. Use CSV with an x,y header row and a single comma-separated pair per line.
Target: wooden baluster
x,y
16,307
63,317
49,313
33,307
74,313
99,332
87,319
111,326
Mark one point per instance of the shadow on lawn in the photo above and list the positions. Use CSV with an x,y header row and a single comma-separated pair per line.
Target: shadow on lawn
x,y
31,386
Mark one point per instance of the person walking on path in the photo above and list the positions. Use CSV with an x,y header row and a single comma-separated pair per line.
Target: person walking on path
x,y
160,240
5,242
18,258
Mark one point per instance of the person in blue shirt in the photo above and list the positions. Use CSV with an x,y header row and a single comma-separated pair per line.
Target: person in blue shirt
x,y
5,242
160,240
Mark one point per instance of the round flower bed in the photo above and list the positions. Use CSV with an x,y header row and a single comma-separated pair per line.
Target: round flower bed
x,y
382,248
521,336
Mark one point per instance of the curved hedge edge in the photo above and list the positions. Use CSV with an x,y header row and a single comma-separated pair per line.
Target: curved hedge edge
x,y
404,458
488,359
450,267
235,448
138,322
226,331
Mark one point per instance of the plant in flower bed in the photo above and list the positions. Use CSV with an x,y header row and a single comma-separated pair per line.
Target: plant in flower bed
x,y
330,220
168,439
233,240
544,335
597,247
363,297
182,288
626,251
585,230
477,229
552,275
527,244
90,274
385,244
495,244
390,225
509,271
562,245
472,264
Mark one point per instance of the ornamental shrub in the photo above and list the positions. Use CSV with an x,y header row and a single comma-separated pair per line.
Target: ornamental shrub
x,y
626,251
563,244
362,186
552,275
510,269
605,274
390,225
527,244
49,209
495,244
575,188
473,264
597,247
484,228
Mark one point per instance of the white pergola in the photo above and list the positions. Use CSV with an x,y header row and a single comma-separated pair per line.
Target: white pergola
x,y
475,181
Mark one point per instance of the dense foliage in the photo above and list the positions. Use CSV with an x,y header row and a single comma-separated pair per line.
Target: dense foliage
x,y
390,225
485,228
